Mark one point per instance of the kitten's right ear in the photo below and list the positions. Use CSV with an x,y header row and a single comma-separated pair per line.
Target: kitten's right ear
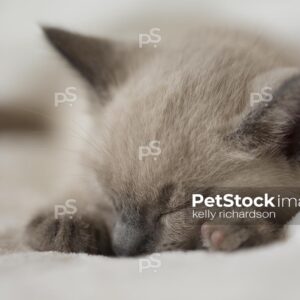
x,y
104,63
270,122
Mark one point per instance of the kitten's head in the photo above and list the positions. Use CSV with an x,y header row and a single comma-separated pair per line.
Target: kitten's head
x,y
208,111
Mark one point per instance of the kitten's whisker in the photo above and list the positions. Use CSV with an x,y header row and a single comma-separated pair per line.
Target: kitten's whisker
x,y
87,134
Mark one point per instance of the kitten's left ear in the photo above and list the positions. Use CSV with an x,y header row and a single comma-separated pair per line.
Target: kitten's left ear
x,y
102,62
270,123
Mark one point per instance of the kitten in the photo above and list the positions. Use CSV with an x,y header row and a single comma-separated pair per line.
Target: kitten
x,y
190,98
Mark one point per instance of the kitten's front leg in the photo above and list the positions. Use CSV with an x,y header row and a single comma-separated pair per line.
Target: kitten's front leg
x,y
81,233
232,235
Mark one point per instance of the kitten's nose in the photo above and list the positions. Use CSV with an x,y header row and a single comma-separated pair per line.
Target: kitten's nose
x,y
128,239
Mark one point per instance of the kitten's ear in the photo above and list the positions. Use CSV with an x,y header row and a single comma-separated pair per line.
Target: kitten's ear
x,y
101,61
270,123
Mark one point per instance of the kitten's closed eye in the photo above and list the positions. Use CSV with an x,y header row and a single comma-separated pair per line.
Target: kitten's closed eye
x,y
183,200
173,210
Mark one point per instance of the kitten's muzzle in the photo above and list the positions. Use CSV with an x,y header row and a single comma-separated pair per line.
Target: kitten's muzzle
x,y
129,239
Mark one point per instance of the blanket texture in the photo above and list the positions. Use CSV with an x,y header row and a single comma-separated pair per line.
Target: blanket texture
x,y
269,272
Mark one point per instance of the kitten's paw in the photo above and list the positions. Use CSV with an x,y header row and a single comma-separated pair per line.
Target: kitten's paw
x,y
229,237
79,234
223,237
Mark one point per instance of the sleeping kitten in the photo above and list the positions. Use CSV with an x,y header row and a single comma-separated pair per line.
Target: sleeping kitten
x,y
189,99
